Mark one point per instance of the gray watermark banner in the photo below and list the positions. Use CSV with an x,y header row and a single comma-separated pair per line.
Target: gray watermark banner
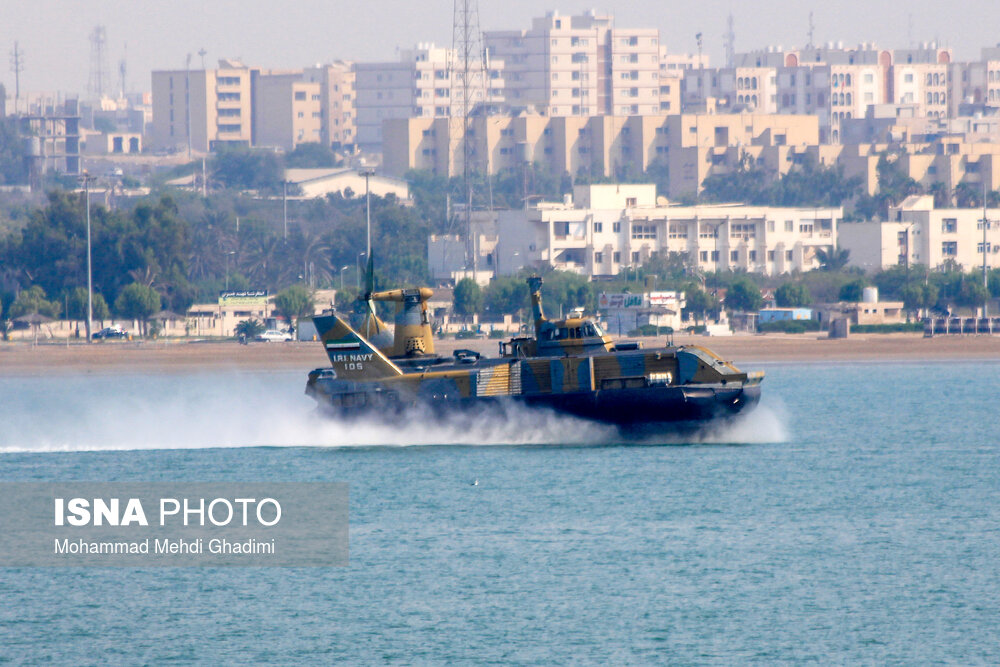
x,y
165,524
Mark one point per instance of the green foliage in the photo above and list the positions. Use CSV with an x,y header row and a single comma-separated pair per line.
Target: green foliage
x,y
242,168
468,297
564,290
972,292
853,291
809,185
310,155
699,302
919,295
898,327
506,295
32,300
832,259
744,295
13,159
249,328
76,303
788,326
792,295
137,302
294,302
894,185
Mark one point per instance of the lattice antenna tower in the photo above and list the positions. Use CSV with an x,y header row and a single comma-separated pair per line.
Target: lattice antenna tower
x,y
100,72
812,30
17,66
122,73
730,39
468,79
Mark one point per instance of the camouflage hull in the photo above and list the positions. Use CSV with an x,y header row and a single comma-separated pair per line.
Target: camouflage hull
x,y
638,410
633,389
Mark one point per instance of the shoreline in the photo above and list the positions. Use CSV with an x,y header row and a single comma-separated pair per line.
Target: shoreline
x,y
26,359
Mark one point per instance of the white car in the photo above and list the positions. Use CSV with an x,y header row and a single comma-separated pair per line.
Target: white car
x,y
272,335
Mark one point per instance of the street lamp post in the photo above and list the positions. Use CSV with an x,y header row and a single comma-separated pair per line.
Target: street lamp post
x,y
284,206
231,252
357,260
368,172
342,276
87,178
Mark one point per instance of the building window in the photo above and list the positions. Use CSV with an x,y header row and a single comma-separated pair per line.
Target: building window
x,y
734,255
635,257
806,229
617,257
598,227
770,225
598,258
950,225
704,255
300,96
950,248
678,231
616,227
643,231
742,230
789,226
770,255
788,255
753,255
979,247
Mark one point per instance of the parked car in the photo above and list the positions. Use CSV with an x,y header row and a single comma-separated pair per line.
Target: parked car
x,y
272,335
114,331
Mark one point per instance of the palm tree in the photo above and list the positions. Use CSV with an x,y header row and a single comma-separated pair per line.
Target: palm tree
x,y
832,259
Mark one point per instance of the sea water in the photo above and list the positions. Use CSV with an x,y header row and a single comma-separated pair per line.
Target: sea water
x,y
853,517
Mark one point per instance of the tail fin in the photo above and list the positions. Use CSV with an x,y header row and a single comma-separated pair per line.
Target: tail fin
x,y
352,356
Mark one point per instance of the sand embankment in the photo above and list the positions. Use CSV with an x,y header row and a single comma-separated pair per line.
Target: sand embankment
x,y
21,359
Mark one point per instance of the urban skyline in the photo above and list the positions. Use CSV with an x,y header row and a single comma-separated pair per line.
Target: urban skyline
x,y
56,48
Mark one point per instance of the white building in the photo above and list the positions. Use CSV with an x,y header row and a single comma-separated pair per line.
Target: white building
x,y
929,236
578,66
611,228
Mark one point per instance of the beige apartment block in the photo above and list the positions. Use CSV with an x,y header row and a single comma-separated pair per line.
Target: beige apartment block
x,y
610,228
700,145
338,127
922,234
202,107
287,110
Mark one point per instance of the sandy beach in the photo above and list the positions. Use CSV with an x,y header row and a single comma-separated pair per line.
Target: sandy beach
x,y
184,356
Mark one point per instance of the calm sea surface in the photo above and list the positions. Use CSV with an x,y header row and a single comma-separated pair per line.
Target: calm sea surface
x,y
854,518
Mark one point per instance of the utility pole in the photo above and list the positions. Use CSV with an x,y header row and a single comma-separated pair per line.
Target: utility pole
x,y
17,66
986,282
284,206
368,172
467,48
187,99
87,178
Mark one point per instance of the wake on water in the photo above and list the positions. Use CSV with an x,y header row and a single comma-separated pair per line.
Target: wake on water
x,y
178,412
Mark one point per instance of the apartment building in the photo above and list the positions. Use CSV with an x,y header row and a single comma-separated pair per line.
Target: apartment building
x,y
609,228
337,121
578,66
287,110
918,233
201,108
418,85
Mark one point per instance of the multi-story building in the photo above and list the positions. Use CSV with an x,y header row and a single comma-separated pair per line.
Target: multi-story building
x,y
609,228
578,66
287,110
418,85
918,233
338,128
200,108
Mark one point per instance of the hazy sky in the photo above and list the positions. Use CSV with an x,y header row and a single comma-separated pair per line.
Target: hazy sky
x,y
53,34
